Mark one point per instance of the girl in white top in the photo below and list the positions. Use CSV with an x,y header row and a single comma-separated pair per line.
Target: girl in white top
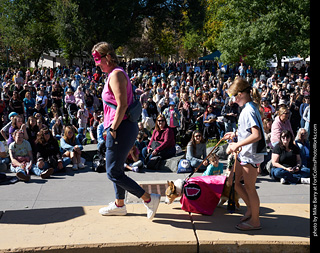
x,y
250,132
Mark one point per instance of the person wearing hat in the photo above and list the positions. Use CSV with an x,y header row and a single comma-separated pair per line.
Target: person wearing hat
x,y
69,98
172,116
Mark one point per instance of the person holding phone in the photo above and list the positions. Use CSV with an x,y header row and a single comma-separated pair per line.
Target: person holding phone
x,y
286,162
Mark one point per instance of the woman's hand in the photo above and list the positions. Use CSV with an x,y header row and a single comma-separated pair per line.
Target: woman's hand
x,y
23,127
60,166
113,134
154,153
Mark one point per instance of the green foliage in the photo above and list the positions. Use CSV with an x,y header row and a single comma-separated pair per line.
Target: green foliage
x,y
213,25
256,30
192,28
26,27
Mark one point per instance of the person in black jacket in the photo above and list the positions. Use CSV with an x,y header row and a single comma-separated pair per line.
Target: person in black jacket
x,y
230,112
48,151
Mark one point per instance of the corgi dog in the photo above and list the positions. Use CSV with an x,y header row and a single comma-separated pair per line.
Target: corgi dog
x,y
174,190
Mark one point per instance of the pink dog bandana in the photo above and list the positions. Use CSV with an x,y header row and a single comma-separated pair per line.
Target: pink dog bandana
x,y
97,57
202,194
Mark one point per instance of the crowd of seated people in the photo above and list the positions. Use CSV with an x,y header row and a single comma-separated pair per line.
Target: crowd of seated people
x,y
49,114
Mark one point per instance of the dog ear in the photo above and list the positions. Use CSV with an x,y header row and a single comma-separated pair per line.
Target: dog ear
x,y
170,183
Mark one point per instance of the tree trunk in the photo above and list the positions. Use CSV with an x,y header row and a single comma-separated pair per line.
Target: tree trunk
x,y
279,57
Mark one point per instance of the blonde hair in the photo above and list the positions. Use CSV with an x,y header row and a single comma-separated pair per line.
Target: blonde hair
x,y
241,85
105,48
282,110
65,135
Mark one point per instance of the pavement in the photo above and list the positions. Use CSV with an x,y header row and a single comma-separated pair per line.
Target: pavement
x,y
61,214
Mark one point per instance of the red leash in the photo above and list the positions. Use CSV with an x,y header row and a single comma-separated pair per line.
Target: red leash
x,y
191,174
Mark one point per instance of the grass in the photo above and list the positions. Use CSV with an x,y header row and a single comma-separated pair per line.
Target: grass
x,y
213,142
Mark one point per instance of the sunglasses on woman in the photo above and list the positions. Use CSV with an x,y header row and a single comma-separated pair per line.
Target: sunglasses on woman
x,y
97,56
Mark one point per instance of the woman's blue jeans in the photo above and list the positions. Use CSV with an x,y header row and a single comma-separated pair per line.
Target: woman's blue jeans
x,y
116,154
292,178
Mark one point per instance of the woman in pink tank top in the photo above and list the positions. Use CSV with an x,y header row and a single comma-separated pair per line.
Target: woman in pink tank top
x,y
121,132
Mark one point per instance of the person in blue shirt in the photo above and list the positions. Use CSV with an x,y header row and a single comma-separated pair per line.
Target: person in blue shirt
x,y
71,147
214,168
100,133
154,78
29,104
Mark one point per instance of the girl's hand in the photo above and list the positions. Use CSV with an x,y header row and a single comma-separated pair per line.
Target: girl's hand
x,y
154,153
233,147
229,136
40,164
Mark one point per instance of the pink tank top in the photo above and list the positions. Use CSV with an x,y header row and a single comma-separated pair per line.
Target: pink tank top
x,y
108,96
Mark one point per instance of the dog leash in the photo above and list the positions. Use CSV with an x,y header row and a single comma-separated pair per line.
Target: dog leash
x,y
191,174
231,207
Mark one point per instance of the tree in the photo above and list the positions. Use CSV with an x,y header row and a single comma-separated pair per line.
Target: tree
x,y
69,28
26,27
258,30
159,31
212,24
192,28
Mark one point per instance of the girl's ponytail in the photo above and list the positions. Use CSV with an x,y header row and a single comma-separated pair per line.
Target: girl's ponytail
x,y
256,98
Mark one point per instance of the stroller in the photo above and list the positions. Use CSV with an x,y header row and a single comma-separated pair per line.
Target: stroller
x,y
72,110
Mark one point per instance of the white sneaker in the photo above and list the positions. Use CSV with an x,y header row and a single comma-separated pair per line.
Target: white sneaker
x,y
305,180
153,205
112,209
81,166
75,167
282,181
